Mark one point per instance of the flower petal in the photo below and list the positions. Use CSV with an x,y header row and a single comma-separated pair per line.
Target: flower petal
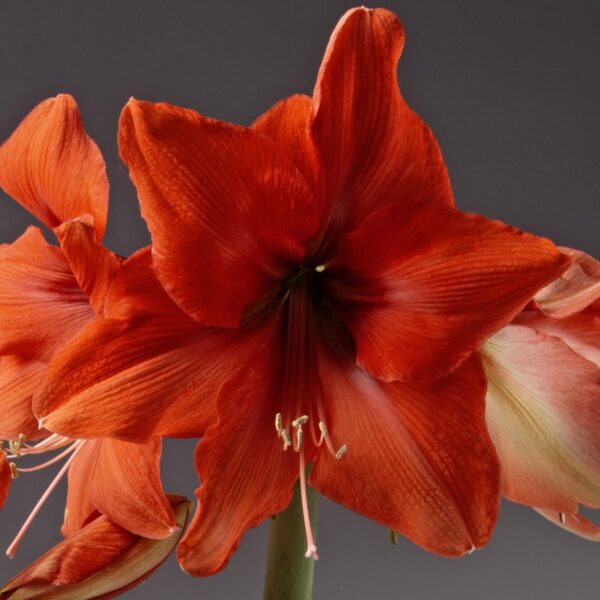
x,y
53,169
92,265
246,476
148,369
41,304
574,290
19,378
5,478
242,212
580,331
422,286
122,481
419,459
288,123
543,413
573,523
372,148
102,560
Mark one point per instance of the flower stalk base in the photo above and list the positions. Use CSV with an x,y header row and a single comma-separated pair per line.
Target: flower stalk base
x,y
289,573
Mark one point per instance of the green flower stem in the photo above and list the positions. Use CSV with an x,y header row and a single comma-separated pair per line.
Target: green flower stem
x,y
289,574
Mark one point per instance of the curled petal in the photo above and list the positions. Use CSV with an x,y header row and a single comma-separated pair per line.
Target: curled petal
x,y
574,290
422,286
419,459
5,477
120,480
372,148
102,560
574,523
242,211
93,266
53,169
543,413
41,303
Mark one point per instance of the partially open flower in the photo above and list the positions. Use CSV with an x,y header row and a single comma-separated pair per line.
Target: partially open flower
x,y
543,400
102,560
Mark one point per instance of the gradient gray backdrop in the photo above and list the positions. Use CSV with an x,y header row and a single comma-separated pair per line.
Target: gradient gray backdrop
x,y
511,90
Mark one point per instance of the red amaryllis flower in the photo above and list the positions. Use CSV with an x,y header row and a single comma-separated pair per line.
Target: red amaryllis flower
x,y
332,299
543,400
47,295
102,560
5,477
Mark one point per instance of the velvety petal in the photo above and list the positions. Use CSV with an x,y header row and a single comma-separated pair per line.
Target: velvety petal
x,y
41,304
573,523
5,478
372,148
246,476
92,265
122,481
422,286
574,290
148,369
19,378
242,211
288,123
419,459
543,413
53,169
102,560
581,331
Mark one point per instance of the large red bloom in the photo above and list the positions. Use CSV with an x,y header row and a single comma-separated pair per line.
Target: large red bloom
x,y
332,300
47,295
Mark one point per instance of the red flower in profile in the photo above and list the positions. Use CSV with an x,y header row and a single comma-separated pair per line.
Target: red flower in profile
x,y
543,400
332,301
47,295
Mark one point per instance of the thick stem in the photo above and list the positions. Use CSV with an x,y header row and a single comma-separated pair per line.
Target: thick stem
x,y
289,573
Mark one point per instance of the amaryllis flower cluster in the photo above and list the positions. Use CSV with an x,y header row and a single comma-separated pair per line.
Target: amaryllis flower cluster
x,y
312,302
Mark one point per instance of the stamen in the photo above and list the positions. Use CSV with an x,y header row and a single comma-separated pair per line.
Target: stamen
x,y
562,517
299,421
299,439
393,536
341,451
320,268
278,424
14,473
10,552
311,549
58,457
287,442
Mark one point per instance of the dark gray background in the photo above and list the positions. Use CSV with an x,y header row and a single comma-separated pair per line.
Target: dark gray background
x,y
512,92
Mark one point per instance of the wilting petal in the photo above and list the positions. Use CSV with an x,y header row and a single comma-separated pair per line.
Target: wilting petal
x,y
245,474
149,369
573,523
5,477
288,123
543,413
122,481
41,304
53,169
242,211
419,459
581,331
102,560
574,290
19,378
421,287
372,148
92,265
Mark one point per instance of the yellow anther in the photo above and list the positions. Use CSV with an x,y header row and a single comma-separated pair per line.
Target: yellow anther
x,y
393,536
341,452
299,438
287,442
320,268
14,473
278,423
299,421
561,516
323,429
